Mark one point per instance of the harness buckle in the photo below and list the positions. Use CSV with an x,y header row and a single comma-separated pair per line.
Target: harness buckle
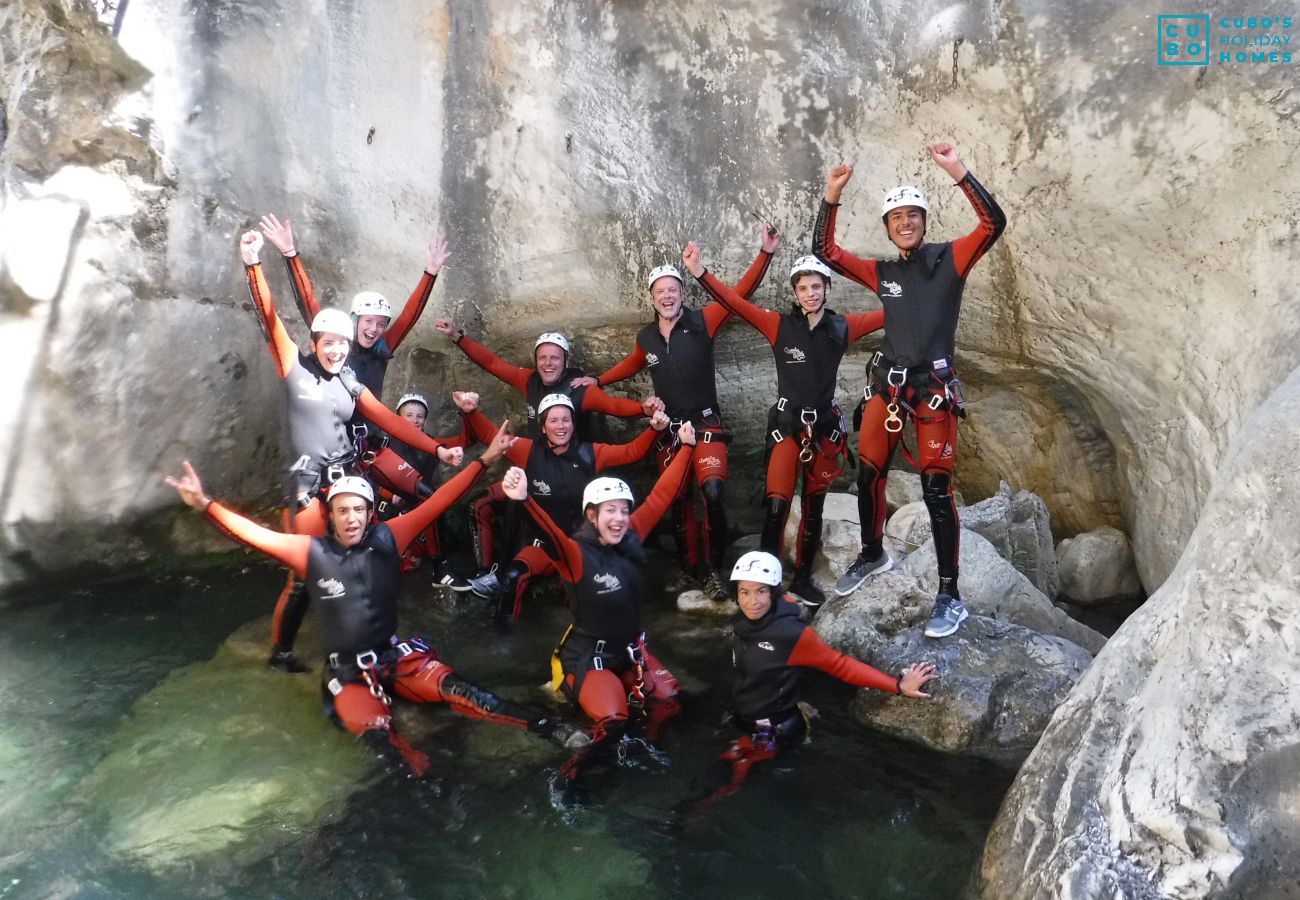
x,y
955,393
900,373
369,457
893,424
868,392
707,437
334,661
780,403
333,472
835,436
936,401
775,434
808,416
367,659
405,649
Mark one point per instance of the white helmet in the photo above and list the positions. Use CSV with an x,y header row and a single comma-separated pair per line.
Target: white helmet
x,y
351,484
332,321
806,265
660,271
371,303
757,565
603,489
552,337
412,398
903,195
553,400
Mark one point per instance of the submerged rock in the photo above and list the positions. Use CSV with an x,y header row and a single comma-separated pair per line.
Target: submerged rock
x,y
1097,567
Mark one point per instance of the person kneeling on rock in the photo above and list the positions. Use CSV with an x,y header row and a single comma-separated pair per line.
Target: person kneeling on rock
x,y
352,574
771,643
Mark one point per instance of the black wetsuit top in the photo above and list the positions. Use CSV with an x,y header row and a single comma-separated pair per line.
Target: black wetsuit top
x,y
681,368
354,591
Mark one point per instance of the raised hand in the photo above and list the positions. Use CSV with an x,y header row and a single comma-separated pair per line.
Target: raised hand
x,y
250,245
836,181
691,259
438,253
446,326
659,421
280,234
189,487
915,677
515,484
945,156
452,456
768,237
466,401
501,442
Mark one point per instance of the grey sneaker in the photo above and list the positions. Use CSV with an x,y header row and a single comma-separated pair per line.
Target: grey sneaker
x,y
486,585
861,570
949,612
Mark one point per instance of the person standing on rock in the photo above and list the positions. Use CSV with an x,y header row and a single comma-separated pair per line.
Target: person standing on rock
x,y
912,374
352,573
602,663
559,467
770,645
677,347
806,429
321,395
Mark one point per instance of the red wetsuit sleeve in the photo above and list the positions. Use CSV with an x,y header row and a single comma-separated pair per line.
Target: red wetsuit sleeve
x,y
569,562
283,349
624,454
463,439
485,431
515,376
766,321
813,652
754,275
863,271
290,549
407,528
303,293
385,418
966,251
862,324
411,312
664,493
631,364
596,400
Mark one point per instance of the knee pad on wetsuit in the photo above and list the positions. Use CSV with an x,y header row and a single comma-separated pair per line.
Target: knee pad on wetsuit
x,y
774,525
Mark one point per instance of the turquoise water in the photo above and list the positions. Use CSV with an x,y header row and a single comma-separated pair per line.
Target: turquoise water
x,y
147,752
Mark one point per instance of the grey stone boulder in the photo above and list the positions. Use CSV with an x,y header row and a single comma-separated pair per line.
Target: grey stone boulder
x,y
901,488
1097,567
697,603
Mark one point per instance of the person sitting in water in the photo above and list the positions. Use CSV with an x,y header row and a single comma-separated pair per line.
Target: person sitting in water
x,y
771,644
602,663
352,574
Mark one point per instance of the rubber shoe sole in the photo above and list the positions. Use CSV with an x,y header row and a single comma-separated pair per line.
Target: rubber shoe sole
x,y
850,581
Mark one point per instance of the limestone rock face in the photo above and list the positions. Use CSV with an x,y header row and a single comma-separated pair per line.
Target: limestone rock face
x,y
1170,770
1097,567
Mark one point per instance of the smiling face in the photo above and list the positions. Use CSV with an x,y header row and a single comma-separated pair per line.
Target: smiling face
x,y
557,425
611,519
810,290
666,295
755,599
331,351
414,412
550,363
349,514
906,227
370,329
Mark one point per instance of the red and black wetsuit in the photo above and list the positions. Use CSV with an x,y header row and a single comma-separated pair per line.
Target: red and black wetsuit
x,y
805,425
555,482
914,370
318,407
354,593
767,654
529,385
682,371
603,655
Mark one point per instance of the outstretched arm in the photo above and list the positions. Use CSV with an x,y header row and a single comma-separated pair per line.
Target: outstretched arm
x,y
862,324
668,486
764,320
290,549
811,651
484,430
568,562
608,455
375,412
280,234
398,329
596,400
631,364
967,250
715,314
282,347
863,271
515,376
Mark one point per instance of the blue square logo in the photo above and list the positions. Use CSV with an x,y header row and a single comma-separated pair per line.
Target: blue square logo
x,y
1183,40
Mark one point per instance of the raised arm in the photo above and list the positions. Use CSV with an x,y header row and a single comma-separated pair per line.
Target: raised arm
x,y
515,376
631,364
764,320
567,556
398,329
282,347
668,486
374,411
289,549
596,400
863,271
410,526
484,430
967,250
862,324
280,234
608,455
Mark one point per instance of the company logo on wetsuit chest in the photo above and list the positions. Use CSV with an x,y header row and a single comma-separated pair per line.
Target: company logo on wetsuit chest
x,y
609,582
310,389
766,645
331,586
651,359
541,488
796,355
892,288
532,411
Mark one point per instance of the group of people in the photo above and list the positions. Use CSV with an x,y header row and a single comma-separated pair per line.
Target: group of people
x,y
362,508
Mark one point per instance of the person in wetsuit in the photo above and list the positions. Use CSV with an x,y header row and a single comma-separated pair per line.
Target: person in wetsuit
x,y
352,574
558,467
321,395
770,645
602,663
912,375
806,430
677,348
